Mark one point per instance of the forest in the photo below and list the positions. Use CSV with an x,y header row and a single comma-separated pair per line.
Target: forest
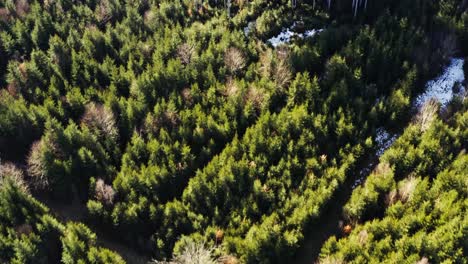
x,y
245,131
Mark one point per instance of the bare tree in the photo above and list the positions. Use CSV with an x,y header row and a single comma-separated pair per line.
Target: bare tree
x,y
427,114
234,60
104,193
185,53
193,253
13,173
100,119
282,70
37,166
22,7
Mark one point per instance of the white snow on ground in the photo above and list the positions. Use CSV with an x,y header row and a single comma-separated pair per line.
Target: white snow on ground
x,y
384,140
285,36
441,87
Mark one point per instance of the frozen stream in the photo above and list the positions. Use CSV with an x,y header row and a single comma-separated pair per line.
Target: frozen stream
x,y
440,88
287,34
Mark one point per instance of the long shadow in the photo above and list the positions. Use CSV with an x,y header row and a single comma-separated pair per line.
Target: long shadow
x,y
330,222
76,212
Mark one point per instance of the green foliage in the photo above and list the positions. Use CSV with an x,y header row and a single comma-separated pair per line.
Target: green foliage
x,y
423,218
28,234
171,124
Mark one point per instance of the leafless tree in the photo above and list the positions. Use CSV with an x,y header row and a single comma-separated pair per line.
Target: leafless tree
x,y
13,173
185,53
282,72
231,89
103,11
100,119
104,193
234,60
193,253
37,166
427,114
4,14
22,7
256,97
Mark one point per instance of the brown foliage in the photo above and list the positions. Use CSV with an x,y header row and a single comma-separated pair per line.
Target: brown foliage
x,y
347,229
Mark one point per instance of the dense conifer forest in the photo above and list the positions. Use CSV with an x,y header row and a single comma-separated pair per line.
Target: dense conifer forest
x,y
245,131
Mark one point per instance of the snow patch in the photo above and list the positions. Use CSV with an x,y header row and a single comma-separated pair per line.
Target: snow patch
x,y
384,140
441,87
287,34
